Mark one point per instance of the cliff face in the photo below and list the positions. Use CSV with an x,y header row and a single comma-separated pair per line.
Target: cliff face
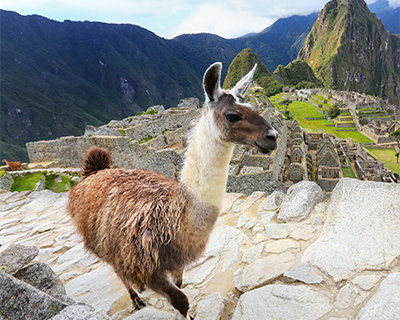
x,y
350,49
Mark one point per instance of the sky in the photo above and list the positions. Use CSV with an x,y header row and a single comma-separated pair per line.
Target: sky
x,y
170,18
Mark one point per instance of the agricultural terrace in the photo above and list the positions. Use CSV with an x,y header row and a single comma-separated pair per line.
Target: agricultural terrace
x,y
304,110
387,156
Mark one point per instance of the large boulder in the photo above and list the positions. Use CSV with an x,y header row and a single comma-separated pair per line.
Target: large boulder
x,y
275,302
299,200
19,300
361,231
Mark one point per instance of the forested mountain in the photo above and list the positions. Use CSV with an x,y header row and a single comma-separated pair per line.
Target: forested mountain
x,y
349,49
56,77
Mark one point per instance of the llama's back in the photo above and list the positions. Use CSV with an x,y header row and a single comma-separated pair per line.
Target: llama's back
x,y
126,217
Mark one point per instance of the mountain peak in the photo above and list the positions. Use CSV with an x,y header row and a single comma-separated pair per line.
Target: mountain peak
x,y
350,49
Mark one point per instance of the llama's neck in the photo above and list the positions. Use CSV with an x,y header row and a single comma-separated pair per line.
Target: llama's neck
x,y
205,171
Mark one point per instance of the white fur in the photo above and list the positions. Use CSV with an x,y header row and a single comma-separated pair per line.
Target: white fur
x,y
205,171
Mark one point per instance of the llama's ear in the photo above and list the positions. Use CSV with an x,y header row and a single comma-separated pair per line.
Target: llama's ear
x,y
211,82
241,87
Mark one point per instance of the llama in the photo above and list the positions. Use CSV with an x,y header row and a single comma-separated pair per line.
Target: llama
x,y
149,227
13,165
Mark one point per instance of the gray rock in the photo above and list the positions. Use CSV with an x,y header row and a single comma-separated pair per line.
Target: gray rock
x,y
81,311
367,282
15,256
264,270
210,308
273,201
361,231
385,304
101,131
276,231
299,200
159,108
100,288
275,302
42,277
6,182
19,300
301,272
150,313
345,297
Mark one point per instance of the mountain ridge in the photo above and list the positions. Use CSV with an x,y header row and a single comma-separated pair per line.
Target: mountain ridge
x,y
350,49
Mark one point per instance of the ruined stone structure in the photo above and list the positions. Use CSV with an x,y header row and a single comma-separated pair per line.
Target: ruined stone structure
x,y
157,142
379,131
367,166
328,162
297,151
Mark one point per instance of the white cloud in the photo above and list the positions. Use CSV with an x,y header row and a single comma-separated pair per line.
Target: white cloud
x,y
168,18
223,20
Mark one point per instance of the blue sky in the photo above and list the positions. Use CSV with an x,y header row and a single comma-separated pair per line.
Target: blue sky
x,y
169,18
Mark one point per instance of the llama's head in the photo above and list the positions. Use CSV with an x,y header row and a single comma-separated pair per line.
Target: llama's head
x,y
233,118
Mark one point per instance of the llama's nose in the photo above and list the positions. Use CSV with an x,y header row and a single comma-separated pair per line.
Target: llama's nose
x,y
272,134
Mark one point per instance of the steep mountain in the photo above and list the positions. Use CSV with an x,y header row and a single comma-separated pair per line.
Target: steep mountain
x,y
281,42
277,44
295,72
349,49
56,77
242,64
390,16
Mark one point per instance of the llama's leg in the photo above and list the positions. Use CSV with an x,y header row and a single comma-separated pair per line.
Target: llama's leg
x,y
177,276
161,284
138,303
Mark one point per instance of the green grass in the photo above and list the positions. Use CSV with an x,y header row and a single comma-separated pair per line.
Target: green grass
x,y
302,110
346,172
387,156
27,182
61,186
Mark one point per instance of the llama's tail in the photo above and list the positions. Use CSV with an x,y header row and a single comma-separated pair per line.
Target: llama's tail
x,y
97,159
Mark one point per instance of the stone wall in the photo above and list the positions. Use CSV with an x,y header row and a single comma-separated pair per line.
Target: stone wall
x,y
164,152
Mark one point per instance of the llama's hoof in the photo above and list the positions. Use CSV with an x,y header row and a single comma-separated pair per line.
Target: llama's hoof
x,y
139,303
179,316
136,304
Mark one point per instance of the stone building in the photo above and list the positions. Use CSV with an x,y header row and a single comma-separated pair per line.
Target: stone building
x,y
379,131
328,162
297,151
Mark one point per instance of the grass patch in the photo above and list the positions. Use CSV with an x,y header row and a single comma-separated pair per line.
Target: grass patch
x,y
122,132
150,111
58,183
26,182
302,110
387,156
346,173
145,140
2,172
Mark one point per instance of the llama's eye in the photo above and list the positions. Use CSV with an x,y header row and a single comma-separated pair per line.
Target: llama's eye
x,y
232,117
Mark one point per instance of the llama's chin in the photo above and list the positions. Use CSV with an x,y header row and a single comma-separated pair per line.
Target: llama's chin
x,y
265,149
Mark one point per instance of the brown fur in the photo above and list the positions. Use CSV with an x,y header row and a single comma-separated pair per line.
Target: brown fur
x,y
13,165
136,220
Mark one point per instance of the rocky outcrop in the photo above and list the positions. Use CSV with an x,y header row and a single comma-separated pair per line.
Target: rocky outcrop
x,y
340,260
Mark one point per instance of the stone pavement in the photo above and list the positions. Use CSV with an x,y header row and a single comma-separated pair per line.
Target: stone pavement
x,y
300,255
